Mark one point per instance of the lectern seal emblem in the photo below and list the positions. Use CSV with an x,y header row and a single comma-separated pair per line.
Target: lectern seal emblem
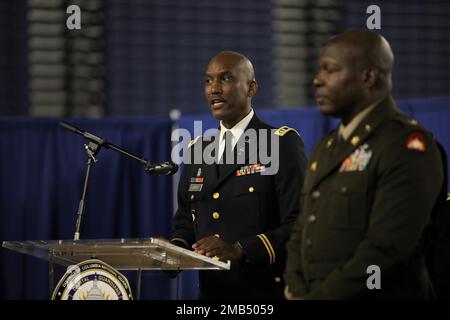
x,y
92,280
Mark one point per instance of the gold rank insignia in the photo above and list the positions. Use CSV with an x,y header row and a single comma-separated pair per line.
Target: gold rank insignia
x,y
329,142
283,130
355,140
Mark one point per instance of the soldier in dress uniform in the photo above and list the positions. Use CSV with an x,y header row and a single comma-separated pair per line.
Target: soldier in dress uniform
x,y
235,211
370,187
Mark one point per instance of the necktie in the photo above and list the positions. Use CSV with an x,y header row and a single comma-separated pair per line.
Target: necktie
x,y
226,155
228,150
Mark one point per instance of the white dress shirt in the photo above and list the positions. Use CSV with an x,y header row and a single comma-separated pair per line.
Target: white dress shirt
x,y
236,131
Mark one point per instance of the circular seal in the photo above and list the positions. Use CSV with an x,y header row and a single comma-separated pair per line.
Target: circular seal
x,y
92,280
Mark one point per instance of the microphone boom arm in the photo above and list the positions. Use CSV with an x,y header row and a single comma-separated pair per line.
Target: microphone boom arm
x,y
150,167
95,143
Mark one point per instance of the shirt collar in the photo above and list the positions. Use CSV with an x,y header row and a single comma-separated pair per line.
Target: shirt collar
x,y
239,128
346,131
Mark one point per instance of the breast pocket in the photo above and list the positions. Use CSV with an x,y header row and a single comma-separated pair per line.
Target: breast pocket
x,y
348,205
250,193
252,185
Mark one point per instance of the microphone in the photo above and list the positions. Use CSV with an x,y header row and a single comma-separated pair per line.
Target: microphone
x,y
167,168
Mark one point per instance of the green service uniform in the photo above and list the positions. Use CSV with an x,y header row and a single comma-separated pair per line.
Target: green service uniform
x,y
365,202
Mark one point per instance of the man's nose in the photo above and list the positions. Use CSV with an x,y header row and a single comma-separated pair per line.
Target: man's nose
x,y
318,81
216,87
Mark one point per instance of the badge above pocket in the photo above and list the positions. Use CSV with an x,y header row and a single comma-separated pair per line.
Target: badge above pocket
x,y
358,160
250,169
196,183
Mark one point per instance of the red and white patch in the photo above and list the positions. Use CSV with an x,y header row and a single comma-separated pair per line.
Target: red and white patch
x,y
416,142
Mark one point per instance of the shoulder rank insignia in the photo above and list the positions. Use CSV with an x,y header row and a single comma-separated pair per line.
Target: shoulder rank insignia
x,y
283,130
416,142
193,141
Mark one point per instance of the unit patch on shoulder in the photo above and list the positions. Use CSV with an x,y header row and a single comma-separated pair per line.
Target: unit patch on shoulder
x,y
416,142
285,129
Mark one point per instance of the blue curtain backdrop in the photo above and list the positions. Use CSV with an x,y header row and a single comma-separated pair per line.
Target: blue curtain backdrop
x,y
42,170
42,173
157,51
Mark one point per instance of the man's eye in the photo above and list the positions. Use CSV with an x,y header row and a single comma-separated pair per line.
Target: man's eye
x,y
330,69
227,78
208,81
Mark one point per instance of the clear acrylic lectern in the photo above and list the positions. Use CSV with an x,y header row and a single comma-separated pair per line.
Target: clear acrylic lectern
x,y
122,254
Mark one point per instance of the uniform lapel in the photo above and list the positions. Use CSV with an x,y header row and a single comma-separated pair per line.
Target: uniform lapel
x,y
210,170
332,153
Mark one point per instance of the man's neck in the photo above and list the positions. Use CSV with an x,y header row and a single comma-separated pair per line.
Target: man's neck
x,y
231,123
359,108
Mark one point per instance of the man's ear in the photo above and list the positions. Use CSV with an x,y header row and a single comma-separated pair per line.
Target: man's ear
x,y
370,76
252,88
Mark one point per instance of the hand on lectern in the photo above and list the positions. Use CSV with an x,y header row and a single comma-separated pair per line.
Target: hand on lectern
x,y
213,246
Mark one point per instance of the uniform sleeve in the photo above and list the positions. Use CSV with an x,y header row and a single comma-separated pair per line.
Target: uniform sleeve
x,y
183,226
293,275
408,183
269,246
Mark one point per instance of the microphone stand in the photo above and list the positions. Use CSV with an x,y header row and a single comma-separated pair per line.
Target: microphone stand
x,y
92,149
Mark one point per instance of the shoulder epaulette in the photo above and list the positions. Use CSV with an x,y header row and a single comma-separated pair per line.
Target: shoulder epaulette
x,y
193,141
407,120
285,129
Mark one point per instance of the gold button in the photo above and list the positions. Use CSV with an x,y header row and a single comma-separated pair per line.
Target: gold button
x,y
308,242
192,197
368,127
313,166
216,215
413,122
355,140
251,189
217,235
277,279
344,189
316,194
216,195
311,218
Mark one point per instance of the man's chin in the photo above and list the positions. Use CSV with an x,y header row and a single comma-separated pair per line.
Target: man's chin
x,y
217,114
327,110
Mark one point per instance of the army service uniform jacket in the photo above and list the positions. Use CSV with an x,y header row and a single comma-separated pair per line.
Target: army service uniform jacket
x,y
365,203
244,206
